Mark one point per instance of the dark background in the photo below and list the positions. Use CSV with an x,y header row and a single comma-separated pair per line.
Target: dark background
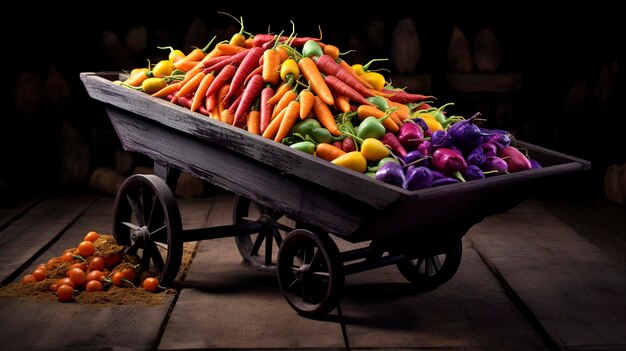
x,y
559,54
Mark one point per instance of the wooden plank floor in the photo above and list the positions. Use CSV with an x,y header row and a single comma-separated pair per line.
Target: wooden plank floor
x,y
548,274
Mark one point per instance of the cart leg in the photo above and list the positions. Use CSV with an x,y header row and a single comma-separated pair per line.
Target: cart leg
x,y
259,249
170,174
310,272
147,221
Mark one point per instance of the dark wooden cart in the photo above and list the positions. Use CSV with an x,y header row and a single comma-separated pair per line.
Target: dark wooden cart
x,y
419,231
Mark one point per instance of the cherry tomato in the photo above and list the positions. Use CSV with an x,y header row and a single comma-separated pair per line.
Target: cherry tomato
x,y
117,278
91,236
65,293
54,287
96,263
93,285
77,275
151,284
129,273
66,281
53,262
94,275
28,279
39,274
112,260
86,248
81,265
67,256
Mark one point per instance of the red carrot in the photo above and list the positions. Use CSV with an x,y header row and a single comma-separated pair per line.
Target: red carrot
x,y
403,97
220,79
328,66
340,88
266,108
217,63
250,94
249,63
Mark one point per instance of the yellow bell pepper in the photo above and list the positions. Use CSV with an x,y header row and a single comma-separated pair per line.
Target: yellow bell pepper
x,y
376,80
374,149
353,160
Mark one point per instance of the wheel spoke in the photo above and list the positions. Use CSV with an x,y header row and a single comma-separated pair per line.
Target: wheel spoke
x,y
321,274
154,233
137,209
436,263
131,226
294,282
156,257
156,215
132,250
147,204
282,227
254,251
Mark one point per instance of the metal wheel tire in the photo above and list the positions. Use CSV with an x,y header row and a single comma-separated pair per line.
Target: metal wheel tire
x,y
260,249
310,272
428,272
147,221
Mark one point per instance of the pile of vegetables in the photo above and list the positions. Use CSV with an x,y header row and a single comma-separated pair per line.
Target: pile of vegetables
x,y
95,265
300,92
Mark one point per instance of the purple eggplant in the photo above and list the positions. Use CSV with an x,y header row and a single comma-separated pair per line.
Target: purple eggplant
x,y
410,135
495,163
449,161
441,138
412,156
501,137
473,172
476,157
418,178
489,148
394,144
426,148
465,134
391,173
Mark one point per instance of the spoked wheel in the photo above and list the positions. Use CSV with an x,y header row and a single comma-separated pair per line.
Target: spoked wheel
x,y
260,249
310,272
429,271
147,221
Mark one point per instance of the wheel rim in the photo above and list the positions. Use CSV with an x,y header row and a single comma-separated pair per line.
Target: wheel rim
x,y
254,248
309,272
430,271
147,221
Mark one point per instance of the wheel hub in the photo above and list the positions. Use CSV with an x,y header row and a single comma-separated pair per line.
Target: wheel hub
x,y
140,234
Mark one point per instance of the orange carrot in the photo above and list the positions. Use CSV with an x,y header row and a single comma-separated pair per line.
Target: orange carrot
x,y
291,116
366,110
283,52
221,95
271,66
284,102
327,151
272,128
229,49
254,119
211,103
200,92
342,104
282,90
248,43
403,111
227,117
186,65
306,100
309,70
169,89
324,116
332,51
137,77
191,85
